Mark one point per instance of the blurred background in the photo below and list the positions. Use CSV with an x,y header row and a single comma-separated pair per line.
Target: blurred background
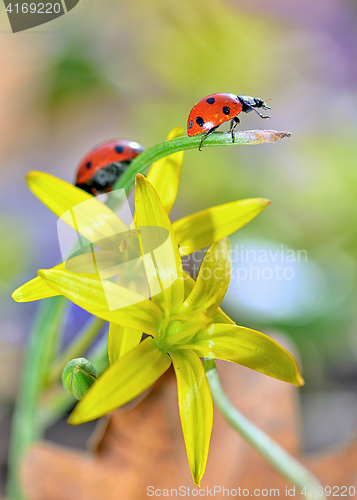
x,y
134,70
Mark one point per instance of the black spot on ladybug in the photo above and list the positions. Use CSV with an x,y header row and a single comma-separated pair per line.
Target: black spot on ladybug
x,y
200,121
88,165
190,123
226,110
119,149
211,100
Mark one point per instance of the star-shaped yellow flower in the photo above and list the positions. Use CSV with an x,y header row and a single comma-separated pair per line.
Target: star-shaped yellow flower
x,y
182,319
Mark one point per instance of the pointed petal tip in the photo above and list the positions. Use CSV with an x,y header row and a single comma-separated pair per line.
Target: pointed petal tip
x,y
139,178
17,295
299,380
75,417
72,420
69,421
177,131
262,201
30,176
33,173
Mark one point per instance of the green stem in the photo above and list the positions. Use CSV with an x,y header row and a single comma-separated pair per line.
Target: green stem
x,y
25,426
58,402
143,161
286,465
76,348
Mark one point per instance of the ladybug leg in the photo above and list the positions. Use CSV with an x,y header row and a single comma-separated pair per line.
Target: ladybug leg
x,y
261,116
209,132
234,124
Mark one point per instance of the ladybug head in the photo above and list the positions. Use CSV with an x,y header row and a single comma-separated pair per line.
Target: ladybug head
x,y
259,103
251,103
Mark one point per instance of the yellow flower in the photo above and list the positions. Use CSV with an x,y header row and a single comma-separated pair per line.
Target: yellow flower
x,y
183,319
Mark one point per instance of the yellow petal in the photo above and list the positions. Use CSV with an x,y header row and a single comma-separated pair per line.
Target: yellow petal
x,y
106,300
212,281
218,316
120,341
164,174
204,228
37,288
196,409
34,289
161,256
248,348
80,210
122,382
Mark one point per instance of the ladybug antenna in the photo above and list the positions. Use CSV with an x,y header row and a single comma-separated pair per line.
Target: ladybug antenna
x,y
264,104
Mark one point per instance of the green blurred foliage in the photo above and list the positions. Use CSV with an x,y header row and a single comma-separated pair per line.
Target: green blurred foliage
x,y
74,75
202,45
15,252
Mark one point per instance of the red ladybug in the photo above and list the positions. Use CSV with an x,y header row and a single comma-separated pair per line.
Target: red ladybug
x,y
103,165
210,112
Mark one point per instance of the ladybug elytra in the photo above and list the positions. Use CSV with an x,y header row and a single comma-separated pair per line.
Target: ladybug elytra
x,y
210,112
102,166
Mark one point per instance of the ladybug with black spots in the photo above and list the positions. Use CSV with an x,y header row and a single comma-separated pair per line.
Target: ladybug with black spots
x,y
209,113
102,166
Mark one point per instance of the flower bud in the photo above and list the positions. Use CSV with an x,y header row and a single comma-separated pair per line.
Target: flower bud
x,y
77,377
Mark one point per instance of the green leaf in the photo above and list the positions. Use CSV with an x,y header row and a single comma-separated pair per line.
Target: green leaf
x,y
120,341
106,300
248,348
196,409
122,382
204,228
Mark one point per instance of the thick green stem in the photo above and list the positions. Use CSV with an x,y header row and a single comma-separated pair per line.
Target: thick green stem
x,y
286,465
143,161
25,426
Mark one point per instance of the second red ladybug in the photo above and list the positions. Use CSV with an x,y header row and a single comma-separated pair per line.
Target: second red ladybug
x,y
210,112
102,166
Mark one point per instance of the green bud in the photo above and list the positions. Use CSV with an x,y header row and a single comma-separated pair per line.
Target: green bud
x,y
77,377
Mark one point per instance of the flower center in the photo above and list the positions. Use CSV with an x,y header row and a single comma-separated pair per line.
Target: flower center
x,y
173,327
